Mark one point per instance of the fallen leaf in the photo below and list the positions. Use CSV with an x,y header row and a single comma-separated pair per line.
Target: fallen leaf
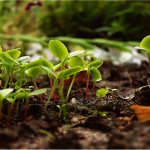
x,y
142,112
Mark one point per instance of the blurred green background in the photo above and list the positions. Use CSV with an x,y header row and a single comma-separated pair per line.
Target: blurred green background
x,y
116,23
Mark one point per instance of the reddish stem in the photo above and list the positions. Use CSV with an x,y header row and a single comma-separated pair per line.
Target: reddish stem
x,y
25,116
8,118
86,94
37,89
14,107
92,90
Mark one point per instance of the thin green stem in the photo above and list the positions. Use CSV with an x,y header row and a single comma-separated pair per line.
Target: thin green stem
x,y
67,97
6,82
11,78
55,84
17,108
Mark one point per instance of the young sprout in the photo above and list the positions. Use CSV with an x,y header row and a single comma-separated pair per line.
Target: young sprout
x,y
75,61
96,76
33,72
61,74
3,94
9,58
27,96
60,109
112,91
102,92
145,45
95,64
96,112
59,50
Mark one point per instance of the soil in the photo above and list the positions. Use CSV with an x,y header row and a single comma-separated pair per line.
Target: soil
x,y
79,128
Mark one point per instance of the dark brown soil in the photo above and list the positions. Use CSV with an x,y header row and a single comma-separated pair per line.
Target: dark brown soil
x,y
80,128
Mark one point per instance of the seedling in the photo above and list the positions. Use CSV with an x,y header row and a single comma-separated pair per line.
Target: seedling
x,y
3,94
59,50
9,58
27,96
33,72
96,112
95,64
75,61
145,45
102,92
112,91
61,74
60,109
96,76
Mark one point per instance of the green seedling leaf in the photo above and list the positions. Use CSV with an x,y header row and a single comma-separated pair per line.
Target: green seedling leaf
x,y
95,64
58,106
37,92
58,49
14,53
66,77
23,59
46,132
33,72
75,53
24,81
95,74
5,92
56,67
11,100
145,43
48,70
68,72
104,112
102,92
19,96
77,61
46,63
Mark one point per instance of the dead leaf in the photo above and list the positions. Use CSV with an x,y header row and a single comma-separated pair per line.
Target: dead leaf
x,y
142,112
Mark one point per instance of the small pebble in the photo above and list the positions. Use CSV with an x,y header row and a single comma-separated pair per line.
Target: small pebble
x,y
73,101
74,120
104,115
119,118
126,119
121,127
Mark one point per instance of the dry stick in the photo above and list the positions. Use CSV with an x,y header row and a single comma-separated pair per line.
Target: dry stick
x,y
86,94
37,89
25,116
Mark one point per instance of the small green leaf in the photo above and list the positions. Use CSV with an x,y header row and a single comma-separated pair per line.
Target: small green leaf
x,y
46,132
68,72
37,92
5,92
24,81
19,96
14,53
145,43
75,53
102,92
46,63
95,64
77,61
58,106
104,112
95,74
48,70
33,72
58,49
1,78
23,59
11,100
